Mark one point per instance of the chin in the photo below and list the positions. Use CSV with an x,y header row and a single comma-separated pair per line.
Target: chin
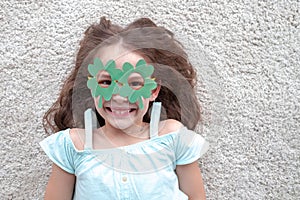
x,y
122,125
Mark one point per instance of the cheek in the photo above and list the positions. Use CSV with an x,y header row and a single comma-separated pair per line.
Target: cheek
x,y
100,111
146,107
96,100
96,103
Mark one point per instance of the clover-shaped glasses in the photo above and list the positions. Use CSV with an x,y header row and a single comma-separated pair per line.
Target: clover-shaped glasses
x,y
132,82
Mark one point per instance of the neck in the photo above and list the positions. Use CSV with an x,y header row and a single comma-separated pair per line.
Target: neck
x,y
138,131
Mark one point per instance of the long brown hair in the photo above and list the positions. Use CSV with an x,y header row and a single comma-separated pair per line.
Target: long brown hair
x,y
158,46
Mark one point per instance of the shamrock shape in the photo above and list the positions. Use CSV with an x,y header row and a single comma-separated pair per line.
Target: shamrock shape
x,y
135,95
92,83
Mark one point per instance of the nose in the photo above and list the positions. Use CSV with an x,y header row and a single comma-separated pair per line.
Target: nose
x,y
119,99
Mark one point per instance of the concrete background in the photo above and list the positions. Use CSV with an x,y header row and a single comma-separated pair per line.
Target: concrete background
x,y
247,55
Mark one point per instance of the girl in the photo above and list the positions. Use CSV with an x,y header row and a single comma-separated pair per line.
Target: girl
x,y
139,145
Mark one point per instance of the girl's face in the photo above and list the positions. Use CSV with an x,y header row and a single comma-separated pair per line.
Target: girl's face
x,y
118,112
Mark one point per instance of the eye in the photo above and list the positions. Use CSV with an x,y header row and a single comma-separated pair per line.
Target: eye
x,y
104,79
135,81
104,83
136,84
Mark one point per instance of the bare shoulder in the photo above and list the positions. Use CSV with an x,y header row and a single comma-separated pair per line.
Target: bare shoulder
x,y
168,126
78,138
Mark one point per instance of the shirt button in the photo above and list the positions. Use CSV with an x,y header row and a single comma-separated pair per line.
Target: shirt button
x,y
124,179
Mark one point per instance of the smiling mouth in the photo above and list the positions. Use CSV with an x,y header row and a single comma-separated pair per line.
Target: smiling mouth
x,y
120,111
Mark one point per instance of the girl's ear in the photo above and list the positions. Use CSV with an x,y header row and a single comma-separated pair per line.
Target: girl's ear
x,y
155,93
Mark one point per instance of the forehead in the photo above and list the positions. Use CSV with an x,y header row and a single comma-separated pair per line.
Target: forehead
x,y
119,55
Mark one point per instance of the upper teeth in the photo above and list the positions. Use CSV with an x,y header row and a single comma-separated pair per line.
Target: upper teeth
x,y
120,112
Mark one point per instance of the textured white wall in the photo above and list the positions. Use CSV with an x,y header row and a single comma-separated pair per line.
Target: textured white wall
x,y
247,55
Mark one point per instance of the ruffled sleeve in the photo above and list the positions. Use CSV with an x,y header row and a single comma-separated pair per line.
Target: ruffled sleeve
x,y
59,149
189,147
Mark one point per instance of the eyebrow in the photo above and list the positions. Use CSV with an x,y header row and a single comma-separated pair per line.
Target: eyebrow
x,y
135,76
104,76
